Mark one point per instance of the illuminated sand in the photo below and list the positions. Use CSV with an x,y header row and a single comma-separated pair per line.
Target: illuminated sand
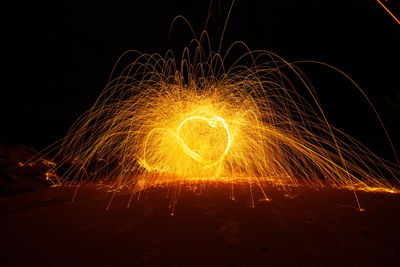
x,y
208,229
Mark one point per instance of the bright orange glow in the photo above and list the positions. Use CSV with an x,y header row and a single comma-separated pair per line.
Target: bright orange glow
x,y
246,123
193,142
207,144
161,121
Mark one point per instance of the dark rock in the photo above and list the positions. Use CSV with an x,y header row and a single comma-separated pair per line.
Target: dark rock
x,y
19,173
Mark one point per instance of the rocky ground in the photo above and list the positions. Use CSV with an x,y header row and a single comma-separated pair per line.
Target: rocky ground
x,y
16,176
308,228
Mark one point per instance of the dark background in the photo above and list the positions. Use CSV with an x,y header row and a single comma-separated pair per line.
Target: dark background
x,y
61,55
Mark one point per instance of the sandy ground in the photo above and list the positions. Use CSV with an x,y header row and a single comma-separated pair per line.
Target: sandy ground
x,y
313,228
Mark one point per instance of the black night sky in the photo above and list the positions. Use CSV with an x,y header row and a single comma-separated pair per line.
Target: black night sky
x,y
62,55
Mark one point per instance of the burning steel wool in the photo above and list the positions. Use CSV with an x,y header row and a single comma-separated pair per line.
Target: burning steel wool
x,y
163,120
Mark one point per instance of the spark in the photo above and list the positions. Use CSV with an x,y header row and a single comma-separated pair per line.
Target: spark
x,y
161,121
388,11
245,122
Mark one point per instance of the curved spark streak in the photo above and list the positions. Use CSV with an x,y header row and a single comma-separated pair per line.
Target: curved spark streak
x,y
160,121
212,123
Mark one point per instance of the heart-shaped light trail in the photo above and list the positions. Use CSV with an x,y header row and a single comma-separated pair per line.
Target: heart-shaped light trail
x,y
213,122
